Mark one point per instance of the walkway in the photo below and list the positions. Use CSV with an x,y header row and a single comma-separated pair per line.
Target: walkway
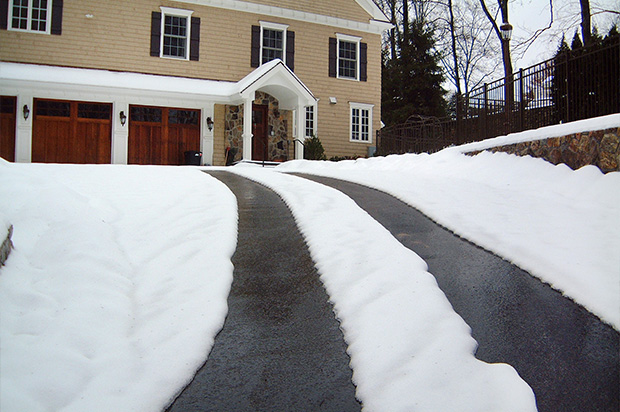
x,y
281,348
566,354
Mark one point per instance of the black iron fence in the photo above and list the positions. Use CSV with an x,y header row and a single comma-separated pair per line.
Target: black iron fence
x,y
575,85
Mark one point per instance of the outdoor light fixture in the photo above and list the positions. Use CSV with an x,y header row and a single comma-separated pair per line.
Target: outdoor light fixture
x,y
123,118
209,123
332,100
26,111
506,31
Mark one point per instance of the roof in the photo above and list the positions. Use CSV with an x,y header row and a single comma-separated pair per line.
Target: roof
x,y
273,75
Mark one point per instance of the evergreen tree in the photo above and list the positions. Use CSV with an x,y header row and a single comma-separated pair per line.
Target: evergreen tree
x,y
412,80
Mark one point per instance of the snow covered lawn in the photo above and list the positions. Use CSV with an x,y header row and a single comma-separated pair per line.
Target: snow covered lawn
x,y
116,287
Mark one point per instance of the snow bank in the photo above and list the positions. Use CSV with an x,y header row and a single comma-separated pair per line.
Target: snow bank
x,y
409,350
560,225
116,287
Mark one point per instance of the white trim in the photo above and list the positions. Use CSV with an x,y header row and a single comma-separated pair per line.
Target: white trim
x,y
349,39
276,27
375,25
360,106
48,19
169,11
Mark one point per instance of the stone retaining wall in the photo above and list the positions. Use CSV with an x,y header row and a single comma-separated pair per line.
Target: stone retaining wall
x,y
6,246
599,148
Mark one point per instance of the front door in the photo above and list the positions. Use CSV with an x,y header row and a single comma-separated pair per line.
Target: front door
x,y
259,132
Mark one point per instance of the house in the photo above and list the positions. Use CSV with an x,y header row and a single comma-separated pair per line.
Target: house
x,y
145,81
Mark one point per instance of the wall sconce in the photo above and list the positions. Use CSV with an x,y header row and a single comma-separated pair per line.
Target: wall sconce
x,y
26,112
209,123
123,118
332,100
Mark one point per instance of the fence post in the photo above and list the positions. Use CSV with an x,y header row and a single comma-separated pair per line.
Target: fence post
x,y
567,82
521,103
484,112
457,134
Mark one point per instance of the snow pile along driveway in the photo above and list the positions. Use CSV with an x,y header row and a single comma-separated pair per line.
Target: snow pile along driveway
x,y
409,350
560,225
116,287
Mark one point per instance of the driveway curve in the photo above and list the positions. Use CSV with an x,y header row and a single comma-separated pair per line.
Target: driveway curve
x,y
281,348
566,354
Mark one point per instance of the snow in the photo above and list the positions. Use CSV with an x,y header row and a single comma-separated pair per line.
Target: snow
x,y
409,349
560,225
118,281
116,287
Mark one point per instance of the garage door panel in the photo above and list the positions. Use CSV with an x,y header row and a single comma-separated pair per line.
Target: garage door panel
x,y
72,132
93,140
162,135
8,116
50,140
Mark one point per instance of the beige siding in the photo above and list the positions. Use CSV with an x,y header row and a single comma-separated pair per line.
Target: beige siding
x,y
117,37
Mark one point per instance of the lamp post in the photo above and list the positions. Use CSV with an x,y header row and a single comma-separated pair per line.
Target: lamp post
x,y
505,34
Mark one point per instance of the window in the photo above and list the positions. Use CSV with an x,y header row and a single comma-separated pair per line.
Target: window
x,y
175,34
273,45
309,121
348,56
361,122
30,15
347,59
272,41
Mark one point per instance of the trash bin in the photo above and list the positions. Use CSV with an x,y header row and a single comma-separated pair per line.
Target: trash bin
x,y
193,158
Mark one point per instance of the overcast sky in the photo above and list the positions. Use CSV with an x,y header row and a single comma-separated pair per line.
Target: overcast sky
x,y
527,16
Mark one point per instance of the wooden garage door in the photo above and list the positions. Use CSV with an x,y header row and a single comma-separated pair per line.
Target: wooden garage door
x,y
71,132
8,112
161,135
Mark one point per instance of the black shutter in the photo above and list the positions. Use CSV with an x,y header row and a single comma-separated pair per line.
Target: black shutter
x,y
56,17
4,14
155,33
255,51
194,42
363,62
290,50
333,56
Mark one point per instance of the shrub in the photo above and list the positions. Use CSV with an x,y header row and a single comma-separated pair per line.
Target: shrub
x,y
313,149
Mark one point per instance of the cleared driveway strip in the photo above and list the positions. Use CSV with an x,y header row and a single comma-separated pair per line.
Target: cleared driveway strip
x,y
566,354
281,347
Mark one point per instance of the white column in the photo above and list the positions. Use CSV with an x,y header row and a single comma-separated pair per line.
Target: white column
x,y
301,130
120,133
206,142
247,128
23,133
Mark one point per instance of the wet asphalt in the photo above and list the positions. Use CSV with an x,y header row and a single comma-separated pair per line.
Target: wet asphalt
x,y
566,354
281,348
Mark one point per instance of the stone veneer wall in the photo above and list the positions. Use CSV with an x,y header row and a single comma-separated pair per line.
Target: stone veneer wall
x,y
599,148
277,122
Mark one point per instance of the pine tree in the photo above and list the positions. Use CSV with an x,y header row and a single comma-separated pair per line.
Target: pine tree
x,y
412,80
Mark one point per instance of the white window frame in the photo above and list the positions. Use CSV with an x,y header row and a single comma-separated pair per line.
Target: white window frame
x,y
313,129
361,107
272,26
48,19
350,39
169,11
